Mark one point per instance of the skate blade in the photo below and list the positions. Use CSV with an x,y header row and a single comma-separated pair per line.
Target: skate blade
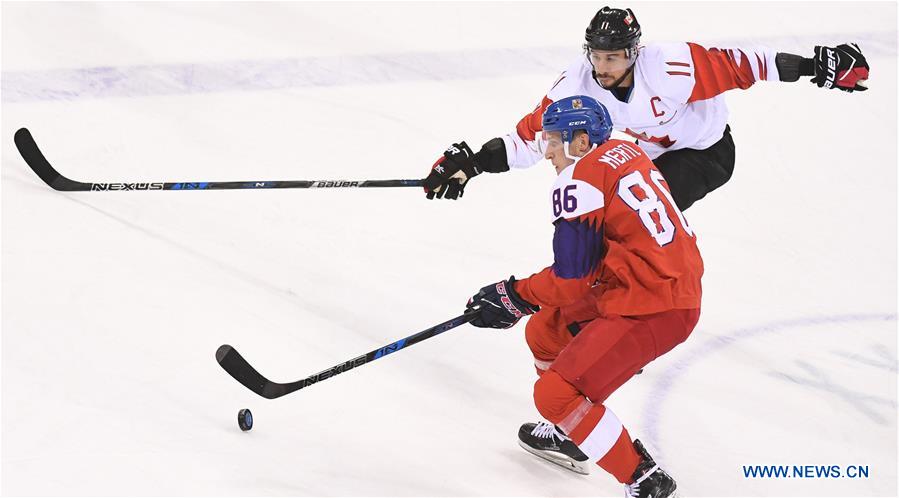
x,y
559,459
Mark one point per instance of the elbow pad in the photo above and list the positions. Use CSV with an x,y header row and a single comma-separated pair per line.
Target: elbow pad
x,y
492,156
790,67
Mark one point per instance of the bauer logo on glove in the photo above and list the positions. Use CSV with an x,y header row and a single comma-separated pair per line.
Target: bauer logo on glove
x,y
843,67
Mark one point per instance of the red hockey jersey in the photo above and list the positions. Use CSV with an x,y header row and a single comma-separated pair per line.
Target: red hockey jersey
x,y
619,236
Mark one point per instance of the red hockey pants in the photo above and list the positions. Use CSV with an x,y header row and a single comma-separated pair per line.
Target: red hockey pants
x,y
582,357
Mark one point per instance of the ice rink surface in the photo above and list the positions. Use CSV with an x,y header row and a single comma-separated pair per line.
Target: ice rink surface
x,y
113,304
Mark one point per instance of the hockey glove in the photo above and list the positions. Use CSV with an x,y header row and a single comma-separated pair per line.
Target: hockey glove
x,y
501,307
843,67
449,175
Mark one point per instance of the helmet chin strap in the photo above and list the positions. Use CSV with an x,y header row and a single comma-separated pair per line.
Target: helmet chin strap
x,y
617,82
566,146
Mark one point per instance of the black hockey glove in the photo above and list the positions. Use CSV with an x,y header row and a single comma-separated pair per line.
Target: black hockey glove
x,y
843,67
449,175
501,307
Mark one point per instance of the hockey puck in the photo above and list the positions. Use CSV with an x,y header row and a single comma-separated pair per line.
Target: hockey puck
x,y
245,419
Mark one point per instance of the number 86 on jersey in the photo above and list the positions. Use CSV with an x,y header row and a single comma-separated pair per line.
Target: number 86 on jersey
x,y
643,196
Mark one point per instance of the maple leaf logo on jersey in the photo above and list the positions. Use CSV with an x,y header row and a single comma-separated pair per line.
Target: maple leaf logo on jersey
x,y
662,141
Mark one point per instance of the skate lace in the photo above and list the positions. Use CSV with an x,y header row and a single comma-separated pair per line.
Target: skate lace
x,y
633,490
546,430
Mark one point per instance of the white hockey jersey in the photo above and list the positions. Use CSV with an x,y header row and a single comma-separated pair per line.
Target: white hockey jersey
x,y
675,101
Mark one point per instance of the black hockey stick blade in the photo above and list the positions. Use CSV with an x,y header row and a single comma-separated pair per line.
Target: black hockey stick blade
x,y
239,368
36,160
243,372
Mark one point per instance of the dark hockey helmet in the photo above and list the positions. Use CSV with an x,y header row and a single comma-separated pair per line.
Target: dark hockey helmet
x,y
613,29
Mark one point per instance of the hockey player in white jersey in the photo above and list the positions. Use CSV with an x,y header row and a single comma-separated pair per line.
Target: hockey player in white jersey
x,y
666,96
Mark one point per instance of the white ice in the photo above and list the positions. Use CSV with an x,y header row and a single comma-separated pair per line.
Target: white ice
x,y
113,304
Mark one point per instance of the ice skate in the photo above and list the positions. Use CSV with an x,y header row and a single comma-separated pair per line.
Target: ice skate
x,y
548,442
650,481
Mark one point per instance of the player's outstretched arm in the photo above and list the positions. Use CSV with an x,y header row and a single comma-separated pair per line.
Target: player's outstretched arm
x,y
521,148
717,70
450,174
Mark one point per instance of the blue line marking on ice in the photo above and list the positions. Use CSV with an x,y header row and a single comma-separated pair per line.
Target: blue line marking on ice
x,y
270,74
653,412
817,378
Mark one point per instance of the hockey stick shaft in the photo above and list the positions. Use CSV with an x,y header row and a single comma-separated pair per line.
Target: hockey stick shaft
x,y
239,368
35,158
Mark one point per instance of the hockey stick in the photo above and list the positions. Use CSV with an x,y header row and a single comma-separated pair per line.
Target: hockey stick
x,y
33,156
243,372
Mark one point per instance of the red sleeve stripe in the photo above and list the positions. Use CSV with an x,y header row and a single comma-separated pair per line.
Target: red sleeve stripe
x,y
532,123
558,81
677,73
763,67
684,64
718,71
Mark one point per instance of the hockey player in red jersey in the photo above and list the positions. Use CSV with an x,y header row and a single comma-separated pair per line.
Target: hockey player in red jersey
x,y
624,289
668,97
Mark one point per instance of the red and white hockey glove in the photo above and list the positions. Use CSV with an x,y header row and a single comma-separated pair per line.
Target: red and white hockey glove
x,y
843,67
501,307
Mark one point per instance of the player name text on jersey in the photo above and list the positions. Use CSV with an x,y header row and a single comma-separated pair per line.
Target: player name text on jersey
x,y
618,155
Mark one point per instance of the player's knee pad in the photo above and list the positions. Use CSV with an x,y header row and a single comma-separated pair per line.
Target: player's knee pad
x,y
555,397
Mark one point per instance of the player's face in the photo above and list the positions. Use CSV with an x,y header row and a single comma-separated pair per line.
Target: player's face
x,y
555,149
609,65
